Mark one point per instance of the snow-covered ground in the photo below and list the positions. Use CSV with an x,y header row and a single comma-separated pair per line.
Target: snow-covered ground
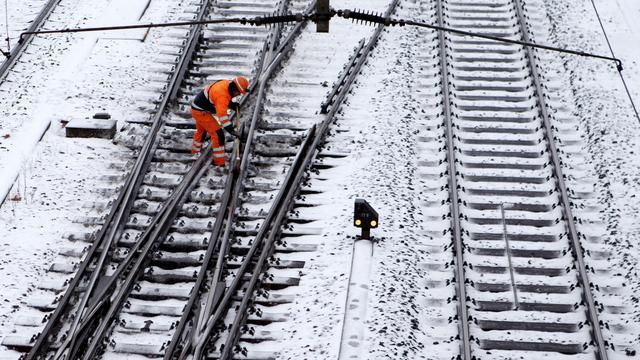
x,y
74,76
376,131
612,130
63,78
15,17
620,20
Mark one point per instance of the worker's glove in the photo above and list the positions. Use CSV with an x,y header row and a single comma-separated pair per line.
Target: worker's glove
x,y
231,131
234,106
234,133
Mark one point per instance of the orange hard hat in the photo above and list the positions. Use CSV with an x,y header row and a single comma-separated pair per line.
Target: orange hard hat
x,y
241,83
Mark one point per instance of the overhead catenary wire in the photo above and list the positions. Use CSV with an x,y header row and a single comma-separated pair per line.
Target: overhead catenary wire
x,y
360,16
624,82
255,21
517,42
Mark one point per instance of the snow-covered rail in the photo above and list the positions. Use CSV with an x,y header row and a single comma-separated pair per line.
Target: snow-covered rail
x,y
272,240
521,281
195,262
150,244
183,240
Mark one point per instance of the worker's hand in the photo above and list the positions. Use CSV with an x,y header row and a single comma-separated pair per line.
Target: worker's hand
x,y
234,133
234,106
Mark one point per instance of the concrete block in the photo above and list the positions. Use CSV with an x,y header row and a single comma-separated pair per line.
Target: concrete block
x,y
91,128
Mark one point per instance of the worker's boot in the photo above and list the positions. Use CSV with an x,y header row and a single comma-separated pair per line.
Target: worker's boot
x,y
218,166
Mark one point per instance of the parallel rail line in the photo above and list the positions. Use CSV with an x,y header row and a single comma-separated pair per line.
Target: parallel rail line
x,y
12,57
117,217
97,307
192,333
476,121
492,94
106,292
269,232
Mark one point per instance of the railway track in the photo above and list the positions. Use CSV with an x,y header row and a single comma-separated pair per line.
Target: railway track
x,y
173,213
18,48
286,225
156,202
205,264
523,287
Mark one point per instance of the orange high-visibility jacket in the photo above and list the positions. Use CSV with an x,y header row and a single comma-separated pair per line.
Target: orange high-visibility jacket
x,y
215,98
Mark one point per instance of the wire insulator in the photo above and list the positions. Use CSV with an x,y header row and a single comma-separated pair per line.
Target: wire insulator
x,y
273,19
315,17
369,18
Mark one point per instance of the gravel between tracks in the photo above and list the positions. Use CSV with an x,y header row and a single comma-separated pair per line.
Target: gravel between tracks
x,y
378,127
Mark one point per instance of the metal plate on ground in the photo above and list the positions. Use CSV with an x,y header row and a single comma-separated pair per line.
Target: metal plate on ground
x,y
91,128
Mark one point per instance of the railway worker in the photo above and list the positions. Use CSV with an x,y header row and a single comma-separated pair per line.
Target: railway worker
x,y
209,110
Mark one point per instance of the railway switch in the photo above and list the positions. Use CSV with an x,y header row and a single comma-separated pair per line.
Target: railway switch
x,y
364,217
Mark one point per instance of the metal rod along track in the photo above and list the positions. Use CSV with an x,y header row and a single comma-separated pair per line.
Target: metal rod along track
x,y
456,229
199,340
160,231
180,342
17,51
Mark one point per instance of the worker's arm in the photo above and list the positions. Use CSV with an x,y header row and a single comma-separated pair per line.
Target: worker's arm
x,y
236,109
221,113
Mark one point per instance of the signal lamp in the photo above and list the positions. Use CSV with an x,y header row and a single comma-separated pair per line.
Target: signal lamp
x,y
364,217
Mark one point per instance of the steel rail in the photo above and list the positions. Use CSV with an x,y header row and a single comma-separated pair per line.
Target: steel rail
x,y
576,246
14,55
125,289
126,265
557,167
182,332
276,56
102,297
143,161
324,107
276,215
272,226
43,337
156,237
167,216
121,208
272,57
458,246
199,338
